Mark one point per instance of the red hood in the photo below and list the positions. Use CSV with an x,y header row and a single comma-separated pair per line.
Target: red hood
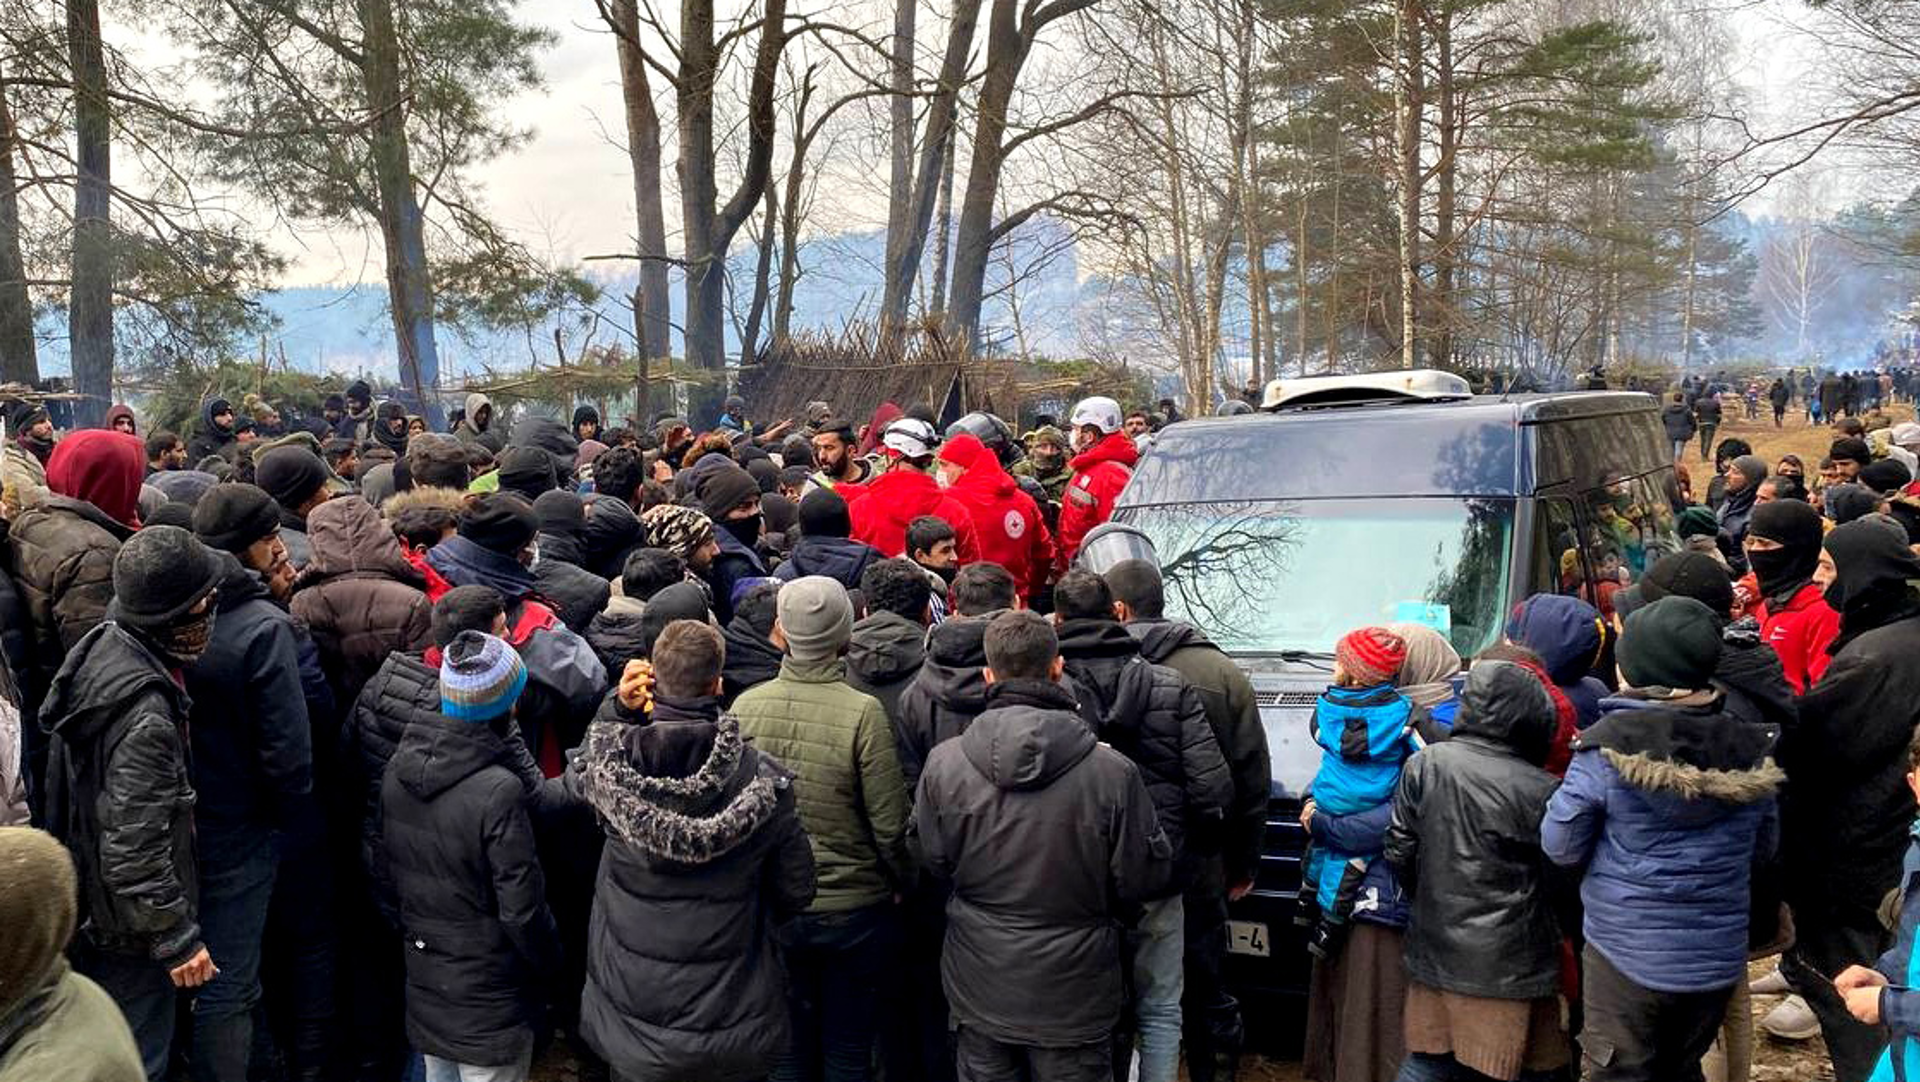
x,y
985,476
103,468
1116,447
122,411
905,494
883,415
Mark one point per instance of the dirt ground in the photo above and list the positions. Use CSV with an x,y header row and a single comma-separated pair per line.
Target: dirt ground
x,y
1796,437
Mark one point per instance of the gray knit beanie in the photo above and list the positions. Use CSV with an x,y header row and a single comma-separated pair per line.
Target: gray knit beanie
x,y
815,616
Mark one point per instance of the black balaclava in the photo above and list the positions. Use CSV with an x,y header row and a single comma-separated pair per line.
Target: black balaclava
x,y
1797,527
1874,570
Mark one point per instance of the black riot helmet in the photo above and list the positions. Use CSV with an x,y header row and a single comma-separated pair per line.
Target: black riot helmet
x,y
991,431
1110,543
1233,407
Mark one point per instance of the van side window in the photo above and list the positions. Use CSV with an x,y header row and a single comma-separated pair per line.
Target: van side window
x,y
1556,547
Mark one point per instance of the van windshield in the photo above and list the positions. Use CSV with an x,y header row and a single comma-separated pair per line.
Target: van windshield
x,y
1286,576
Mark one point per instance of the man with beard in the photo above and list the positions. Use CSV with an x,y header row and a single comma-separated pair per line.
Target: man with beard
x,y
23,464
216,430
333,411
839,467
1849,808
165,452
731,498
1046,462
357,423
391,428
1783,548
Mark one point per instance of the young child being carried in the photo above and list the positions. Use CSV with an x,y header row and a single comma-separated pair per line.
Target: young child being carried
x,y
1366,731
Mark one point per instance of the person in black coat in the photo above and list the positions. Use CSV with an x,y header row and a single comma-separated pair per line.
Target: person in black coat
x,y
731,498
826,546
253,774
752,658
118,792
1465,841
1848,808
1150,714
578,595
704,856
889,644
480,943
1677,418
1039,901
949,692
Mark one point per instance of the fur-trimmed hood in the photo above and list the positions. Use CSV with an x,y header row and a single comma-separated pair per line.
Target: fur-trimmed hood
x,y
681,791
424,496
1688,749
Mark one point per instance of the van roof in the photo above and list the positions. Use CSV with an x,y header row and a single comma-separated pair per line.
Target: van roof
x,y
1388,447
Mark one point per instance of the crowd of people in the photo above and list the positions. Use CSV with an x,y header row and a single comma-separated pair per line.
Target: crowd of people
x,y
376,752
1699,404
811,752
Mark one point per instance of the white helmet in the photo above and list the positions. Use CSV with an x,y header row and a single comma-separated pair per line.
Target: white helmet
x,y
911,438
1099,411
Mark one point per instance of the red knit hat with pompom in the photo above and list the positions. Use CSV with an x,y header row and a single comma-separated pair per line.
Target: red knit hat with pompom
x,y
1371,655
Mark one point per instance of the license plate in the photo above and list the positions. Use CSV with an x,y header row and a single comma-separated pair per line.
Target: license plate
x,y
1248,937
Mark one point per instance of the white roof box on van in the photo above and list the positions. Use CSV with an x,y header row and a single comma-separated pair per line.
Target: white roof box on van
x,y
1407,383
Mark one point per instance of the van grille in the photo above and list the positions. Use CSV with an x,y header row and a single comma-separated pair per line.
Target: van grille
x,y
1284,698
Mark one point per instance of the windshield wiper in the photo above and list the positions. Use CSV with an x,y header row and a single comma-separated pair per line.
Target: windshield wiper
x,y
1324,657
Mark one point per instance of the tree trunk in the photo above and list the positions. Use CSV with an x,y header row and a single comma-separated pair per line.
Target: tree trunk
x,y
1006,52
1442,309
402,226
19,362
943,230
1686,305
936,142
762,273
653,306
790,215
1407,105
710,230
901,124
90,310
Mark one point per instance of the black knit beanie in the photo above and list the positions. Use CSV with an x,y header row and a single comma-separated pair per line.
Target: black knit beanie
x,y
1886,476
824,514
1671,643
1690,574
501,522
231,517
291,475
560,512
527,471
160,573
724,489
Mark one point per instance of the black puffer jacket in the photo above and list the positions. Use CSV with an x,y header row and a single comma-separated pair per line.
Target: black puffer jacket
x,y
404,691
704,856
944,696
119,796
884,654
752,659
1750,675
1235,718
1465,841
1050,844
1150,714
480,942
841,559
578,595
613,531
252,745
1677,418
614,634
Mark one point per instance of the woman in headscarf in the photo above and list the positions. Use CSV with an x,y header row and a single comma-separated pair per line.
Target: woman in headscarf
x,y
1850,809
1426,677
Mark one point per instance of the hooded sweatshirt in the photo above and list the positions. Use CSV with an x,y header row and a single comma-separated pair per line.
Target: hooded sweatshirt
x,y
102,467
212,436
1008,524
118,411
891,503
885,652
945,695
1565,632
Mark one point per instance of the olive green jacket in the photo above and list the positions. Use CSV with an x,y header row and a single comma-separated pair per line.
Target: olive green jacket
x,y
853,802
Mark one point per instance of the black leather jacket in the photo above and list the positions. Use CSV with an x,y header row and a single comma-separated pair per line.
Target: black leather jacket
x,y
1465,841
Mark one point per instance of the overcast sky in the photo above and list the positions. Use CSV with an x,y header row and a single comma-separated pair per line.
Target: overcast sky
x,y
567,192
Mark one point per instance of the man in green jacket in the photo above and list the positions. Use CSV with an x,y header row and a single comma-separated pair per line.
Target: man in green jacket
x,y
1214,1032
854,806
